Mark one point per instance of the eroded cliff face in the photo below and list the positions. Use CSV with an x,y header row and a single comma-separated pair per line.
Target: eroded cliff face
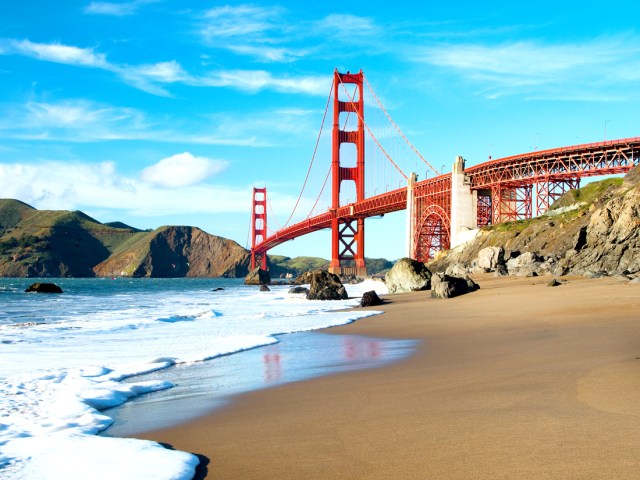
x,y
179,252
599,238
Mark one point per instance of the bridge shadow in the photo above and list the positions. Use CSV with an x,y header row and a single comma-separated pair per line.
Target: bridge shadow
x,y
202,469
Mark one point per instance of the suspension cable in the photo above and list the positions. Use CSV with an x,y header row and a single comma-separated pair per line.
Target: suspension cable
x,y
398,128
373,136
320,195
315,150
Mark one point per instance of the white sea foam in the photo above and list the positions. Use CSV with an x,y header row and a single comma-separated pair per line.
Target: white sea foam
x,y
63,359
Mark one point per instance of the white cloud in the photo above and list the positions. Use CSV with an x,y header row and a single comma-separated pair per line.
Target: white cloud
x,y
151,77
56,52
571,70
182,170
99,190
116,9
265,53
238,21
255,80
75,185
80,120
341,23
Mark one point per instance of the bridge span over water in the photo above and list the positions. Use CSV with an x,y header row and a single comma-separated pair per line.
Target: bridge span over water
x,y
442,211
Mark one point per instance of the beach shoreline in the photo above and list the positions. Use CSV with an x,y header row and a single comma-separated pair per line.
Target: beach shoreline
x,y
516,380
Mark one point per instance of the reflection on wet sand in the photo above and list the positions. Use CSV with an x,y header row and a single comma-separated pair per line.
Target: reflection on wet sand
x,y
204,386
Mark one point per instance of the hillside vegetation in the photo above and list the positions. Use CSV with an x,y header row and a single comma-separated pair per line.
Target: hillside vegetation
x,y
53,243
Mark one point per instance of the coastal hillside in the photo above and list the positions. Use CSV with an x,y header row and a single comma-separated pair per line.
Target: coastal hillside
x,y
590,231
169,252
61,243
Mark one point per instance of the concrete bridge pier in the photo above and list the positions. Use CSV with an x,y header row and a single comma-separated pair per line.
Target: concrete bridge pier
x,y
464,206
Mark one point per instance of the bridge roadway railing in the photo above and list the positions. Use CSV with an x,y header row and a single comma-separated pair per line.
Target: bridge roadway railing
x,y
378,205
601,158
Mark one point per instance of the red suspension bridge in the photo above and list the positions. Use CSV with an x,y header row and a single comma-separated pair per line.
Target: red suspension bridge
x,y
441,209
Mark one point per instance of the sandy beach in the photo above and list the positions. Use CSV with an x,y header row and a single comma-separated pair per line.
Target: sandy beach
x,y
516,380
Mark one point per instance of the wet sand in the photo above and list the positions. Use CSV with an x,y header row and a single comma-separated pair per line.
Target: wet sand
x,y
516,380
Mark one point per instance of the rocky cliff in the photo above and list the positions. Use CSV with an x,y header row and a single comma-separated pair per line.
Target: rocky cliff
x,y
592,231
178,252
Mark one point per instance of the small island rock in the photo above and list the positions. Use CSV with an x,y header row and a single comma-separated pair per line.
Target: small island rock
x,y
44,288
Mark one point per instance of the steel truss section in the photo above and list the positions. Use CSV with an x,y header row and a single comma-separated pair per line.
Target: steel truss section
x,y
548,191
603,158
511,203
485,210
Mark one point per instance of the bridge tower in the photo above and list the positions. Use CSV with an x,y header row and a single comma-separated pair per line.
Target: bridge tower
x,y
347,234
258,226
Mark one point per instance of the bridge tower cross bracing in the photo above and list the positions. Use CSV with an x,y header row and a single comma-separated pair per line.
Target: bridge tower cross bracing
x,y
347,234
258,226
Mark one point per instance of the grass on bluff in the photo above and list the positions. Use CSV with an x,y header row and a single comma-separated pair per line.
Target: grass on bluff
x,y
586,195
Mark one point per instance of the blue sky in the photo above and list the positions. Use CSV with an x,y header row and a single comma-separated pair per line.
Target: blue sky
x,y
157,112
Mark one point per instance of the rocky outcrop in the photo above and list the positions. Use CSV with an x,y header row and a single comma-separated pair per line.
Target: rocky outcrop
x,y
304,279
611,239
445,286
171,252
325,286
490,257
257,276
595,238
408,275
43,288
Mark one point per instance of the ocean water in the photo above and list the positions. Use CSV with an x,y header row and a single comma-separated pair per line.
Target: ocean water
x,y
106,352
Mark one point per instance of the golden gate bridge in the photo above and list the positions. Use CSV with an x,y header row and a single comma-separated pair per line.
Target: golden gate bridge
x,y
442,211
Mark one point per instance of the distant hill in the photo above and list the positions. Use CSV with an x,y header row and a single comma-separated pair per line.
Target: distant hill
x,y
280,265
60,243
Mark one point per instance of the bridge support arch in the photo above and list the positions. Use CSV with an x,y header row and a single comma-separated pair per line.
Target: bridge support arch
x,y
432,232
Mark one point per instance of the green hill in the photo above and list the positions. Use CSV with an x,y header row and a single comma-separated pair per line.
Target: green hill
x,y
61,243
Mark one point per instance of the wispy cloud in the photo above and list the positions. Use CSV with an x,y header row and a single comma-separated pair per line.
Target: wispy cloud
x,y
241,20
153,78
255,80
182,170
81,121
273,34
570,71
55,52
116,9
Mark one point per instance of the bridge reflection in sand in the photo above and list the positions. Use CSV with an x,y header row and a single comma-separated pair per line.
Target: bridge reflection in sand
x,y
203,387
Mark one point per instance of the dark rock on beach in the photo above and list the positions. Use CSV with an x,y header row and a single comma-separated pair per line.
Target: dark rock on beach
x,y
325,286
370,299
44,288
